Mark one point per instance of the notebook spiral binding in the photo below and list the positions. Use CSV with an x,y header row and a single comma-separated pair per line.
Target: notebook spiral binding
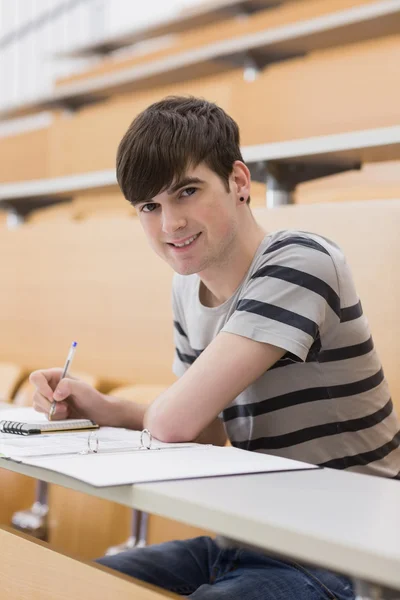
x,y
13,427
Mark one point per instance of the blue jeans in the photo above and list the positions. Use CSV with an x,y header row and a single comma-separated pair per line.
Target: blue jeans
x,y
199,569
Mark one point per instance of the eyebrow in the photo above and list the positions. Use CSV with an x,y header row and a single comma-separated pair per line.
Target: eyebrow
x,y
185,181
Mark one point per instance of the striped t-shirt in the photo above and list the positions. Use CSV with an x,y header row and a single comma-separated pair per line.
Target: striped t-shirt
x,y
326,401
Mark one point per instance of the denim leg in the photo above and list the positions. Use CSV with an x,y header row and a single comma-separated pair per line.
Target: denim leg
x,y
245,575
199,569
179,566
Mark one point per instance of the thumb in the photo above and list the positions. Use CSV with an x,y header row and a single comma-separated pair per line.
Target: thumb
x,y
64,389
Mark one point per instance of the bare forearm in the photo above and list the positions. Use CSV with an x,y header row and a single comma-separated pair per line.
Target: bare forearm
x,y
129,414
124,413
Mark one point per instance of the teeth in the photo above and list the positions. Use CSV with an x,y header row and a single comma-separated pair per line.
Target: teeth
x,y
189,241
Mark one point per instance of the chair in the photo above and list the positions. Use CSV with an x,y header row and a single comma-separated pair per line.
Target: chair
x,y
10,376
54,212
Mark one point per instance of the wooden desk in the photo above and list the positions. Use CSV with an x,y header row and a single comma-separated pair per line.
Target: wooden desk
x,y
282,165
31,570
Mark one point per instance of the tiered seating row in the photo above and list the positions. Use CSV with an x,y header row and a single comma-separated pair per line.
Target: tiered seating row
x,y
282,166
294,39
199,16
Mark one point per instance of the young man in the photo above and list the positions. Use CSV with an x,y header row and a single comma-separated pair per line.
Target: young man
x,y
272,347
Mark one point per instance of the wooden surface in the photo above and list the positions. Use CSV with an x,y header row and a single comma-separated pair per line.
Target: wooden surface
x,y
90,204
288,13
309,36
283,103
18,493
294,99
189,19
101,204
97,189
102,126
31,570
54,212
334,29
33,147
343,89
375,180
378,180
87,287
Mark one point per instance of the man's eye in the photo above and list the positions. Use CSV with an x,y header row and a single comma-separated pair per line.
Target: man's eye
x,y
188,191
148,207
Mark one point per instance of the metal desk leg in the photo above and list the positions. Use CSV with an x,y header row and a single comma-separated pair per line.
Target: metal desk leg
x,y
278,193
14,219
142,541
132,539
34,520
282,177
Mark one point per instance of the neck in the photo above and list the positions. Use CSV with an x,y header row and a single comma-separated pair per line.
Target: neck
x,y
219,282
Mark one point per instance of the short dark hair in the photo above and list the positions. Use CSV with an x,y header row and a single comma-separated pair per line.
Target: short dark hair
x,y
168,137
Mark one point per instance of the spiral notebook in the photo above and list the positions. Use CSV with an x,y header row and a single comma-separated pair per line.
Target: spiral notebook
x,y
21,428
26,421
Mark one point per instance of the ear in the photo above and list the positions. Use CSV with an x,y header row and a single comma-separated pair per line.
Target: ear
x,y
241,181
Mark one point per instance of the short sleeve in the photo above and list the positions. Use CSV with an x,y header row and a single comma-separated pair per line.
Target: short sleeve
x,y
184,355
292,294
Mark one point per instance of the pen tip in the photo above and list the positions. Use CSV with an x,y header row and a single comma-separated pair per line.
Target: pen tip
x,y
74,344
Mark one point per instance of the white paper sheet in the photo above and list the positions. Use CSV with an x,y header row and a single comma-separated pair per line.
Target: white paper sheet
x,y
23,414
101,470
53,444
31,416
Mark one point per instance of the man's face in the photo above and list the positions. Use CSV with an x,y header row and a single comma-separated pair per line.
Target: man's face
x,y
193,224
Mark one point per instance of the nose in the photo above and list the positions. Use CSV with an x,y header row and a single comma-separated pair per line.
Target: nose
x,y
172,220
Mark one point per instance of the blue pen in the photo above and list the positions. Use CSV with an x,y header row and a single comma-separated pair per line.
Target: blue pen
x,y
64,374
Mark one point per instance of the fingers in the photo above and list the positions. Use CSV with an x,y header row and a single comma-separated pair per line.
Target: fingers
x,y
43,405
67,387
40,403
45,381
50,388
61,411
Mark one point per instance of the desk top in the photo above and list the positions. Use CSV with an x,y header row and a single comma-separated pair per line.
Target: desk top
x,y
343,521
355,147
58,187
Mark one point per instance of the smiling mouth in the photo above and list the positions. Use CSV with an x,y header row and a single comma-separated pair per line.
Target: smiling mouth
x,y
188,242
